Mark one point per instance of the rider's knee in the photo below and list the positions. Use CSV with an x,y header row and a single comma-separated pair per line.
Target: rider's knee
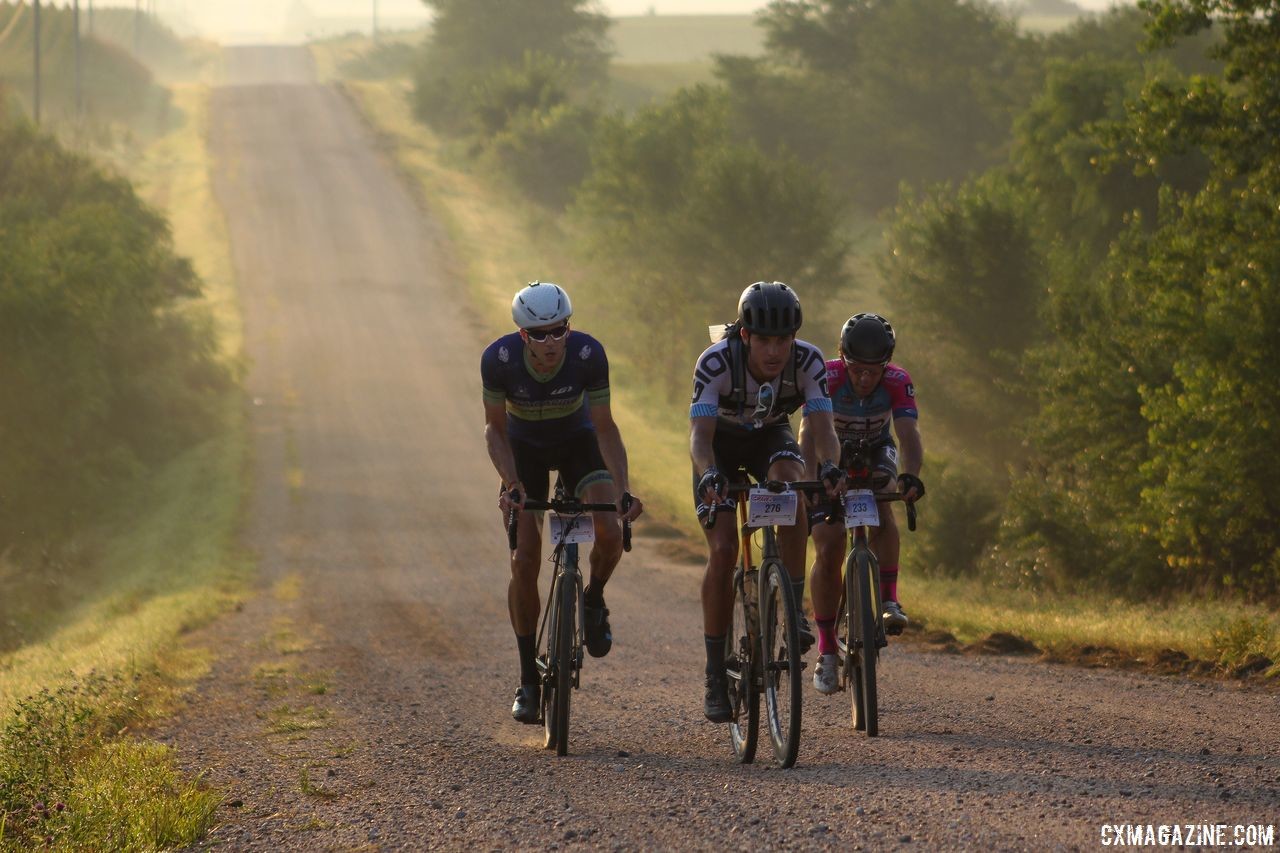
x,y
722,556
609,538
525,564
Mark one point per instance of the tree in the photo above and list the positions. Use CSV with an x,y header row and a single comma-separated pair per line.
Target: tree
x,y
1159,405
473,39
964,266
916,90
105,365
677,211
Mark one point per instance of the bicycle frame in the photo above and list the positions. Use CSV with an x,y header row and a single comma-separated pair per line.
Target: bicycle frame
x,y
565,560
560,668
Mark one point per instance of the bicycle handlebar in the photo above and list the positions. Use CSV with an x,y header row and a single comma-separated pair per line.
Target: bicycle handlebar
x,y
834,510
564,506
806,486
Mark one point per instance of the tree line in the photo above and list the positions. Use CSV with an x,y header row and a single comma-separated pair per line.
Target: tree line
x,y
107,365
1082,226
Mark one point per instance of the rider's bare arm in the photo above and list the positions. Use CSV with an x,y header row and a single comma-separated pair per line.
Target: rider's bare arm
x,y
808,450
825,446
910,445
701,433
495,439
614,452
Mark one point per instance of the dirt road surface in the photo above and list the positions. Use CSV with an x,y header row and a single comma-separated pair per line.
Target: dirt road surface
x,y
361,700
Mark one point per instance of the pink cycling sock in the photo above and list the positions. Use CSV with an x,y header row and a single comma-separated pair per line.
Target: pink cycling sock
x,y
826,634
889,583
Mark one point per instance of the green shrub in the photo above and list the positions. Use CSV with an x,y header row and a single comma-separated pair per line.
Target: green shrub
x,y
107,365
65,784
546,153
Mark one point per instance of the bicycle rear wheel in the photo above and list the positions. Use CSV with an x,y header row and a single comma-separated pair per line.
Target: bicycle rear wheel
x,y
558,683
780,661
862,640
740,663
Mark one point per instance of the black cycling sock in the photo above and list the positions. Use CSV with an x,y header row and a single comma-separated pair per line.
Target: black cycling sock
x,y
528,653
715,654
797,589
593,595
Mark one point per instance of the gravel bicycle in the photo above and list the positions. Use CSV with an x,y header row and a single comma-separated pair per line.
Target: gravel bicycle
x,y
762,655
560,632
861,614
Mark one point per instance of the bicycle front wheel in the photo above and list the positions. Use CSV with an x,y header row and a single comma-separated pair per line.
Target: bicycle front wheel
x,y
780,661
859,575
740,665
558,683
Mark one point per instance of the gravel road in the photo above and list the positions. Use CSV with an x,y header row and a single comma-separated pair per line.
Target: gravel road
x,y
360,701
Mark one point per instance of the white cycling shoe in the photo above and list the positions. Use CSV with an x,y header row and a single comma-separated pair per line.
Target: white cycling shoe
x,y
826,675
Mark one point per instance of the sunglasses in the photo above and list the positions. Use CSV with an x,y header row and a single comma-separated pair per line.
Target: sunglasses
x,y
542,335
863,368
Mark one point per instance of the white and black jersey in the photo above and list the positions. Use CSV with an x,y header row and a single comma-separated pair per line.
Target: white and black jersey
x,y
755,406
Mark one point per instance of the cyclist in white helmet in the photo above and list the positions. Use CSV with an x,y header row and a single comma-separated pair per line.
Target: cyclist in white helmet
x,y
546,405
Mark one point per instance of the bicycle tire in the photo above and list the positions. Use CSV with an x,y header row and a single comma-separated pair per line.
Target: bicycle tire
x,y
740,665
780,661
862,634
548,657
558,683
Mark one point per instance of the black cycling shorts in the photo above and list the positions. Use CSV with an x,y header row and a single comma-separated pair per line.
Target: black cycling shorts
x,y
884,470
577,458
753,450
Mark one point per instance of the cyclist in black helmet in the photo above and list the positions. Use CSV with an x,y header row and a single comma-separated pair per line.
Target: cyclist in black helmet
x,y
868,393
745,386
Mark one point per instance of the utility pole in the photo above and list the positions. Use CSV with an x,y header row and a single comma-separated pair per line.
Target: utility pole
x,y
75,23
375,20
35,52
137,24
90,17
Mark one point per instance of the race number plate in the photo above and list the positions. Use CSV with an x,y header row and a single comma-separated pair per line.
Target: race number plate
x,y
569,529
765,508
860,508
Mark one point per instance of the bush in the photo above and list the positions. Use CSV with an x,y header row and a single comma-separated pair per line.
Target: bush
x,y
474,42
545,152
964,266
678,212
64,784
106,364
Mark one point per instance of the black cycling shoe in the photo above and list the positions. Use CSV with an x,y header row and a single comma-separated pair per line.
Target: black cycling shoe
x,y
807,638
894,619
599,635
525,708
716,704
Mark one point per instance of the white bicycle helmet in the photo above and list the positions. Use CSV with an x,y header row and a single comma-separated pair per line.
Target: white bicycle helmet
x,y
540,304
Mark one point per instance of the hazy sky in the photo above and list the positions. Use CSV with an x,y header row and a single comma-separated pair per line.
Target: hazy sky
x,y
264,19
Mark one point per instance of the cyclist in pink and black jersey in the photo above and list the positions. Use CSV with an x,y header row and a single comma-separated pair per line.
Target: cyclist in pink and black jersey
x,y
868,394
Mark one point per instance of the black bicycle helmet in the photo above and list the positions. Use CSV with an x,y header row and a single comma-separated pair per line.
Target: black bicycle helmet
x,y
769,308
867,338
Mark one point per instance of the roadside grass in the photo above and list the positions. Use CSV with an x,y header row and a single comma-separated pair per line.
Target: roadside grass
x,y
501,242
104,656
1223,633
